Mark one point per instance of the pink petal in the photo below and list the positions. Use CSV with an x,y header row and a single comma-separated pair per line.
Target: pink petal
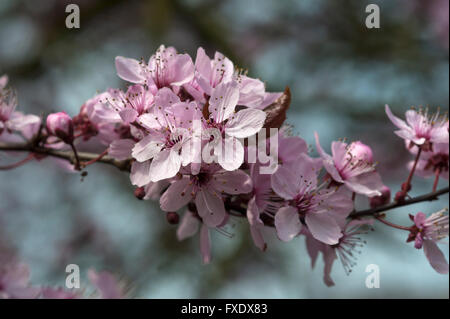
x,y
232,182
203,64
147,148
129,70
188,226
205,244
287,223
368,184
245,123
183,69
223,100
121,149
328,162
128,115
230,153
395,120
323,227
210,207
177,195
140,173
165,165
329,256
435,257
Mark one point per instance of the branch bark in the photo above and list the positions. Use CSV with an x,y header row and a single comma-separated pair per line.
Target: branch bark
x,y
125,166
66,155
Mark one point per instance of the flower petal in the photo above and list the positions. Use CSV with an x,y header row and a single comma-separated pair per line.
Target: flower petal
x,y
205,244
245,123
165,165
210,207
323,227
230,153
129,70
177,195
223,100
435,257
147,148
121,149
328,161
188,226
232,182
140,173
287,223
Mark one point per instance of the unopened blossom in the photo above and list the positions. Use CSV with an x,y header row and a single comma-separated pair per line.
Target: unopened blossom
x,y
352,165
206,189
421,128
164,69
60,124
320,208
168,144
189,226
228,126
347,249
15,282
426,233
382,199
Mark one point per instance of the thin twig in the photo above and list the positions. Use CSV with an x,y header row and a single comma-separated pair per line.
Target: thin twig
x,y
67,155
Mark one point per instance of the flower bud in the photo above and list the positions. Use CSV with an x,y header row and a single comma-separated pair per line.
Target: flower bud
x,y
139,193
173,218
60,125
361,152
381,200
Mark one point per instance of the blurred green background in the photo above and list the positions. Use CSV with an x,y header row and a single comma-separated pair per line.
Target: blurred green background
x,y
341,74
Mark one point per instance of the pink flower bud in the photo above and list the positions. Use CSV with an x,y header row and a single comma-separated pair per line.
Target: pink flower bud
x,y
139,193
60,124
172,218
381,200
361,151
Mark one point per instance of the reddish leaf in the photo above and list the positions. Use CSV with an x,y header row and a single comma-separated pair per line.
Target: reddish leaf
x,y
276,112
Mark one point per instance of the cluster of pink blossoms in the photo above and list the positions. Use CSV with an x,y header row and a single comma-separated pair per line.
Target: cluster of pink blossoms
x,y
184,130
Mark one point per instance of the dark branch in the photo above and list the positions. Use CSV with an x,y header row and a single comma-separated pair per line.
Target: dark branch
x,y
125,166
66,155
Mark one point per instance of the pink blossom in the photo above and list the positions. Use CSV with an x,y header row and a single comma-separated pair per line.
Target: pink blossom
x,y
352,165
426,232
12,121
60,124
165,68
209,73
14,282
227,126
206,189
168,141
320,208
420,128
436,160
346,249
